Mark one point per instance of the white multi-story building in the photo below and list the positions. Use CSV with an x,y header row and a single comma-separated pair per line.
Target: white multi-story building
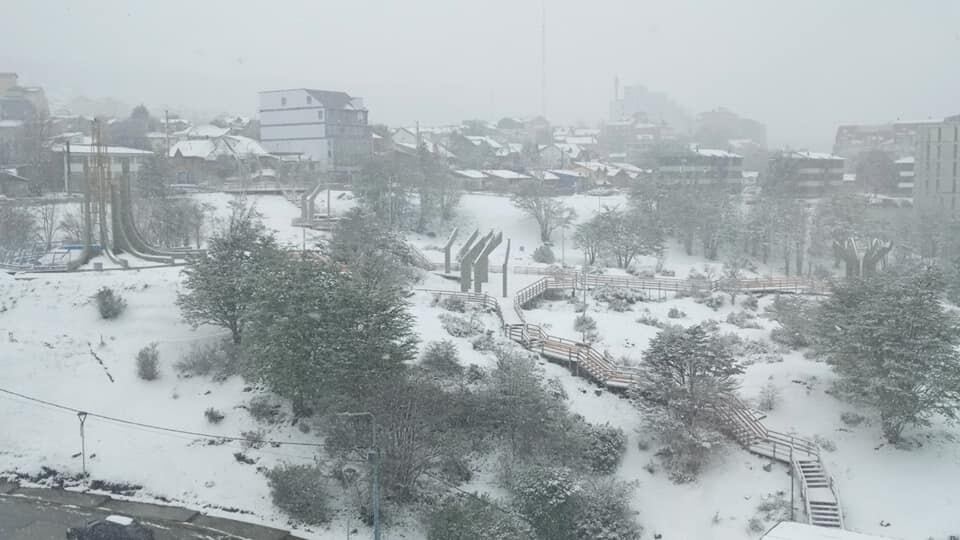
x,y
936,167
327,128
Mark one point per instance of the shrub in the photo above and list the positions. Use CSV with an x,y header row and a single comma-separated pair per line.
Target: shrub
x,y
713,301
299,491
605,447
475,374
650,320
460,326
109,303
262,409
148,360
750,302
442,357
253,438
453,303
469,518
547,497
544,254
852,419
587,327
743,319
216,359
675,313
792,339
618,298
825,443
484,342
213,416
769,397
603,511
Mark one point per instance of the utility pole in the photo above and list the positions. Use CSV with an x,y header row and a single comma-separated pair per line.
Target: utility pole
x,y
166,132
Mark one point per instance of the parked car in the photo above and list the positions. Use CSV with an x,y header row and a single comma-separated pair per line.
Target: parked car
x,y
111,528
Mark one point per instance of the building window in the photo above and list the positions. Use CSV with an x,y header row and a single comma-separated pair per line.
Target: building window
x,y
283,102
320,115
309,100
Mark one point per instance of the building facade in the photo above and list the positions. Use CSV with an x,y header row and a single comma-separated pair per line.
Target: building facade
x,y
700,166
936,166
327,128
806,173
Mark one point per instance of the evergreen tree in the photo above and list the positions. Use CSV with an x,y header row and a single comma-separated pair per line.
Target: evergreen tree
x,y
894,346
318,333
219,286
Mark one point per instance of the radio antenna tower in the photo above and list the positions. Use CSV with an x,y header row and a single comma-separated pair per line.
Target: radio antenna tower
x,y
543,58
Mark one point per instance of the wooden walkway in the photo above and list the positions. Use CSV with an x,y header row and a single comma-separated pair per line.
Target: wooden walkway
x,y
817,488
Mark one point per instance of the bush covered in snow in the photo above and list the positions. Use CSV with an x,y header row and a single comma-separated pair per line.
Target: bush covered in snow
x,y
299,491
586,326
219,360
485,342
451,303
618,298
649,320
110,304
148,363
605,446
263,409
469,518
750,302
441,357
769,397
713,301
213,415
460,326
676,313
562,506
743,319
544,254
796,316
603,511
852,419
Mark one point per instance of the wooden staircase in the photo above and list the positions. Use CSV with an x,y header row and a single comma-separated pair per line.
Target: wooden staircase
x,y
817,488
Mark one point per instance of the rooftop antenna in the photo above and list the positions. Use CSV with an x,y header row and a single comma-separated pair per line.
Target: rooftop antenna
x,y
543,58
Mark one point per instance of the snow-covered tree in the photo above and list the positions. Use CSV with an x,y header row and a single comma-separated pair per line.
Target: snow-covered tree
x,y
894,346
589,238
477,518
628,234
219,287
370,249
549,212
316,332
688,374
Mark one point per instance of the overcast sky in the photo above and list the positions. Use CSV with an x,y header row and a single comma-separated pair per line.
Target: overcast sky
x,y
801,67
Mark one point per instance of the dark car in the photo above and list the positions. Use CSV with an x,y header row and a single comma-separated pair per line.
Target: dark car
x,y
111,528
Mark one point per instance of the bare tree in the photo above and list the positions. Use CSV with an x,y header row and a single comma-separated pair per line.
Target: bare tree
x,y
48,226
549,212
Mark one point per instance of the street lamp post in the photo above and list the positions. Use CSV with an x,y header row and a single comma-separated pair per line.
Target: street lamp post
x,y
374,457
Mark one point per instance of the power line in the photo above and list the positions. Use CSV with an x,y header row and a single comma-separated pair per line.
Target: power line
x,y
152,426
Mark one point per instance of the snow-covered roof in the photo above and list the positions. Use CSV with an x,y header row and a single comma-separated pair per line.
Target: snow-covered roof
x,y
505,174
713,152
469,173
571,150
591,165
10,123
431,147
750,174
849,177
905,160
788,530
211,149
629,167
207,131
477,141
567,172
804,154
89,150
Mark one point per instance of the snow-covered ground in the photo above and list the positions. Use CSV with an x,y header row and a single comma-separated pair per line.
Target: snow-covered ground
x,y
50,332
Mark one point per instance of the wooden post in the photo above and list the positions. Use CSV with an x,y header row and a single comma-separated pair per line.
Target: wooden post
x,y
446,250
506,258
